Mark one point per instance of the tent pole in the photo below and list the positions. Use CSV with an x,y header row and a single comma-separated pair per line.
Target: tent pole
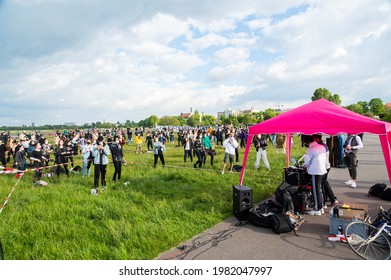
x,y
288,149
248,145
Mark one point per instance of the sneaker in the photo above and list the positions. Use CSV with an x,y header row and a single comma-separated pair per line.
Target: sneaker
x,y
314,212
353,185
349,182
334,203
222,172
321,211
325,206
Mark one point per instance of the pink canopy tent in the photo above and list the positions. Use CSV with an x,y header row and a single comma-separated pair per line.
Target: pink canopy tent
x,y
321,116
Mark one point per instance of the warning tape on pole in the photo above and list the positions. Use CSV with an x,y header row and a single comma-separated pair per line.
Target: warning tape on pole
x,y
9,196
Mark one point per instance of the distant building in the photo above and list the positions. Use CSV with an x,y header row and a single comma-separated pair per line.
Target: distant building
x,y
186,116
235,112
388,106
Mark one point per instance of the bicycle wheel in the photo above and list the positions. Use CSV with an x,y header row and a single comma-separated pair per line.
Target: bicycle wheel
x,y
367,242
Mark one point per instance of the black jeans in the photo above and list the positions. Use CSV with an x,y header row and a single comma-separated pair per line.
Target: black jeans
x,y
200,158
158,156
188,153
210,153
100,171
117,170
327,190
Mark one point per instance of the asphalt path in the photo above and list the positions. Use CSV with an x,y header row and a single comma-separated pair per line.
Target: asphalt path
x,y
232,240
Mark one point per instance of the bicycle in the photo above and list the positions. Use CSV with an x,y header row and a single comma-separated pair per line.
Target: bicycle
x,y
371,241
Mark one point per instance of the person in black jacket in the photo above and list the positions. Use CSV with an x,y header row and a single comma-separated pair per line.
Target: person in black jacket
x,y
260,144
118,156
188,145
61,152
199,151
3,149
37,159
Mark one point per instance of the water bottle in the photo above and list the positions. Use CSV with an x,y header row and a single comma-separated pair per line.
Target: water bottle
x,y
340,230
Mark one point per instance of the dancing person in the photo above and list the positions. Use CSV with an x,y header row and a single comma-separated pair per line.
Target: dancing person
x,y
100,151
260,143
117,156
60,153
230,144
158,149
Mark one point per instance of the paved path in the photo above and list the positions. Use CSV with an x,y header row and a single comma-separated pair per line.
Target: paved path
x,y
230,241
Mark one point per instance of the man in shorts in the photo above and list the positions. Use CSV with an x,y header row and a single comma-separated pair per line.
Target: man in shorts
x,y
230,144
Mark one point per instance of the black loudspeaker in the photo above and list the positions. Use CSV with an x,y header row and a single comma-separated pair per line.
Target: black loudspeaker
x,y
242,202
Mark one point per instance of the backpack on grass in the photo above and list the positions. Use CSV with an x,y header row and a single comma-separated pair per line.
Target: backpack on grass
x,y
237,168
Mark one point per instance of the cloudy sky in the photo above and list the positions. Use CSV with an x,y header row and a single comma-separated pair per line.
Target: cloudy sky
x,y
117,60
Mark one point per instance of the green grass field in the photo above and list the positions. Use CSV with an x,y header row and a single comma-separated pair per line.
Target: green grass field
x,y
148,212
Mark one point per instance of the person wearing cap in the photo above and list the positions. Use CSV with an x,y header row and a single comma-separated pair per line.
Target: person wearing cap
x,y
315,164
100,151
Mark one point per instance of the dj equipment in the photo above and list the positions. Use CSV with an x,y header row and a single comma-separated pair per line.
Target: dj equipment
x,y
242,202
296,176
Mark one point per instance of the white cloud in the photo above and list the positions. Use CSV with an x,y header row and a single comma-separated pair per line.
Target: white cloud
x,y
85,61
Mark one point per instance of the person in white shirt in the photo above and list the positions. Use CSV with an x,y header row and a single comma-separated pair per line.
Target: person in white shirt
x,y
315,164
230,144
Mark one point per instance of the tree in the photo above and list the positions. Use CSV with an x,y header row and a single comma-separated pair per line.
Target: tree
x,y
246,119
182,121
233,120
357,108
223,118
152,121
209,120
326,94
194,120
258,116
387,116
269,113
169,121
364,106
376,107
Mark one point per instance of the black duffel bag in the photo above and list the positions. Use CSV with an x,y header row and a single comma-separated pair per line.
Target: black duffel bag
x,y
260,214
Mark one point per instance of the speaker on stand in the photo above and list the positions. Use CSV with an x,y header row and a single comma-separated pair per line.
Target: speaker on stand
x,y
242,202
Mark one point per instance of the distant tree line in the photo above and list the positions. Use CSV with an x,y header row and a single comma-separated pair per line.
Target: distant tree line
x,y
374,108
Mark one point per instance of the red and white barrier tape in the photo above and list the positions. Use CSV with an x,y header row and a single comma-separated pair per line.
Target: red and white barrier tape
x,y
9,196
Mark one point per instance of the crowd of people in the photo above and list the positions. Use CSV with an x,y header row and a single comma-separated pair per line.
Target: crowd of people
x,y
98,147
